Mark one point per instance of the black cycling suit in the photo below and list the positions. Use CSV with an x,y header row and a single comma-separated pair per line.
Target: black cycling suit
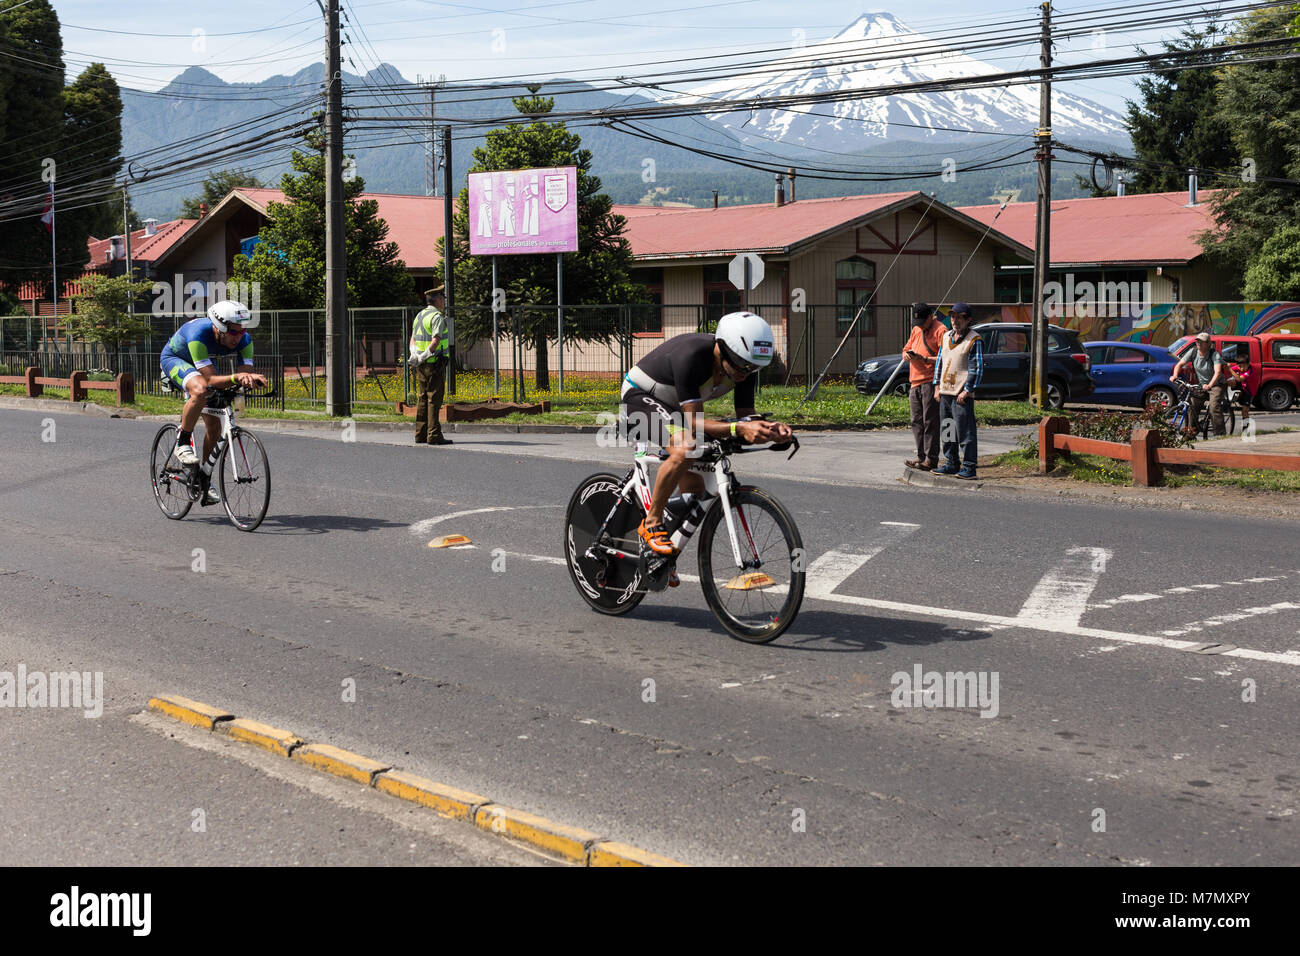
x,y
677,373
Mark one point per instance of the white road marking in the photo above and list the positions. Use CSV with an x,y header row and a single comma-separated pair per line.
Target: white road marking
x,y
1061,596
1147,596
422,527
1232,617
823,590
839,565
833,568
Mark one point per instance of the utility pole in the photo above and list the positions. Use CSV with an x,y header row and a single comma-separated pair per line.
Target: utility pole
x,y
448,260
126,230
431,176
338,365
1042,241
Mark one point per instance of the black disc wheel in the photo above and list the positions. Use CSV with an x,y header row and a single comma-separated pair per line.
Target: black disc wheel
x,y
757,600
611,585
169,477
245,480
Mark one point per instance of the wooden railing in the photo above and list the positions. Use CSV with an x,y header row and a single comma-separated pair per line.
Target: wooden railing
x,y
1147,453
76,384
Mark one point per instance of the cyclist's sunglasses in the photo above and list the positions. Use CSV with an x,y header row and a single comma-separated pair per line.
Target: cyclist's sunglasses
x,y
233,328
739,364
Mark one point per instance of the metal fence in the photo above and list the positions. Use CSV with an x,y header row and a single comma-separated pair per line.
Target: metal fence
x,y
600,342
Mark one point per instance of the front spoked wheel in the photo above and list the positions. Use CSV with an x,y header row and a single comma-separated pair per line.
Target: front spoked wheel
x,y
757,601
609,584
245,480
170,483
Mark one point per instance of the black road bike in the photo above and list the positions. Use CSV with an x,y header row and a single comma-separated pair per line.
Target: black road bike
x,y
751,558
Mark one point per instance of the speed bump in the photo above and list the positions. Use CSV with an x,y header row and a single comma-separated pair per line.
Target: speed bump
x,y
282,742
341,763
613,853
447,801
569,843
752,581
188,711
449,541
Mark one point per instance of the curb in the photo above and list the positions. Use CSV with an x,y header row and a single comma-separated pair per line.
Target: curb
x,y
926,479
560,841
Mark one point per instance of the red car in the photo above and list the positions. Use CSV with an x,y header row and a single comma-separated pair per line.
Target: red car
x,y
1275,356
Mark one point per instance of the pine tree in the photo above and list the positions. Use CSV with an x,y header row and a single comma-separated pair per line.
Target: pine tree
x,y
1177,123
597,274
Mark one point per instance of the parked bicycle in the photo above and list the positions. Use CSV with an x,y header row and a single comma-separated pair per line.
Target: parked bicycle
x,y
242,471
752,573
1179,414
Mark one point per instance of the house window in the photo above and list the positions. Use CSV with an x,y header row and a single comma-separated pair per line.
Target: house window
x,y
649,319
1009,286
720,296
855,282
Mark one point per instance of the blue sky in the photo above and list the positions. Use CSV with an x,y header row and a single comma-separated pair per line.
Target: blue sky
x,y
510,37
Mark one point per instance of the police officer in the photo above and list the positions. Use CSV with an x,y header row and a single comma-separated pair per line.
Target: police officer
x,y
429,350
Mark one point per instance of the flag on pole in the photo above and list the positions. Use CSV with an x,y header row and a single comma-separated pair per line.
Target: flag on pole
x,y
47,218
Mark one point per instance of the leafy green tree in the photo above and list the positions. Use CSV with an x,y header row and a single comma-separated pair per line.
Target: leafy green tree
x,y
216,187
31,76
289,262
90,158
103,316
1260,104
1274,274
71,134
598,273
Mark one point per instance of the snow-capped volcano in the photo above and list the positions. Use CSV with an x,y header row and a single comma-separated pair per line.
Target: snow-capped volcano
x,y
877,50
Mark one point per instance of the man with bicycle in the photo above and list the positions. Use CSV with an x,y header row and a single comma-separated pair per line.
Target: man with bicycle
x,y
1207,362
187,362
663,401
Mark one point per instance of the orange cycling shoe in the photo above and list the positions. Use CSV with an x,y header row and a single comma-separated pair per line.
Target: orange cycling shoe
x,y
656,539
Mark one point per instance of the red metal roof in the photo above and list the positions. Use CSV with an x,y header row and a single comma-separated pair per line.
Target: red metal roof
x,y
143,248
414,222
1138,230
666,231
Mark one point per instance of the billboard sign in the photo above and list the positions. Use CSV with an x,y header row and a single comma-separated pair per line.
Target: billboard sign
x,y
523,211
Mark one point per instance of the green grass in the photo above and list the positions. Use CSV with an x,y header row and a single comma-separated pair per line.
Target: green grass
x,y
1104,471
584,399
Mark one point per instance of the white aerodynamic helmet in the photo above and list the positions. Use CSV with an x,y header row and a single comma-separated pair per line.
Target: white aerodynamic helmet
x,y
233,312
747,340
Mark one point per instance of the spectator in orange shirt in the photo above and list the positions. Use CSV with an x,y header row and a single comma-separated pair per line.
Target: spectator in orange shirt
x,y
920,352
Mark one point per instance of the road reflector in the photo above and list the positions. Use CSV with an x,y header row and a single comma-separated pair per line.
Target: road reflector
x,y
752,581
449,541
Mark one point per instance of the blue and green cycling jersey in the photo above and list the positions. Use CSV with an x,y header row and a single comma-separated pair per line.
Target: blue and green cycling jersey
x,y
196,344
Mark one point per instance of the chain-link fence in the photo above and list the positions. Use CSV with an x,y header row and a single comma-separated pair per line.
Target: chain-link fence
x,y
600,342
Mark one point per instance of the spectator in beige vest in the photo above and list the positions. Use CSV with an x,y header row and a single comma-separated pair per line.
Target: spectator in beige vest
x,y
957,374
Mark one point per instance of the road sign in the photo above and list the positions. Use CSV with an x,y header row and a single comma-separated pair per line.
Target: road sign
x,y
736,271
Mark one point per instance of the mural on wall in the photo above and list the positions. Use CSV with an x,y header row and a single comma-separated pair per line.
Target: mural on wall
x,y
1163,324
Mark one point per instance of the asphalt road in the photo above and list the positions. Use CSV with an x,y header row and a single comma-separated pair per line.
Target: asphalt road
x,y
1108,740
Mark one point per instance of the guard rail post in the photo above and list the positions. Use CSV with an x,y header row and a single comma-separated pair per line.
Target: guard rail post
x,y
1048,429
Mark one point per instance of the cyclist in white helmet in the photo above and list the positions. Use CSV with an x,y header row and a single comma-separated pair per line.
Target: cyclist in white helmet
x,y
187,362
664,396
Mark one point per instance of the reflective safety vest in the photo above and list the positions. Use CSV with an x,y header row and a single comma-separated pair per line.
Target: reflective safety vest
x,y
423,332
